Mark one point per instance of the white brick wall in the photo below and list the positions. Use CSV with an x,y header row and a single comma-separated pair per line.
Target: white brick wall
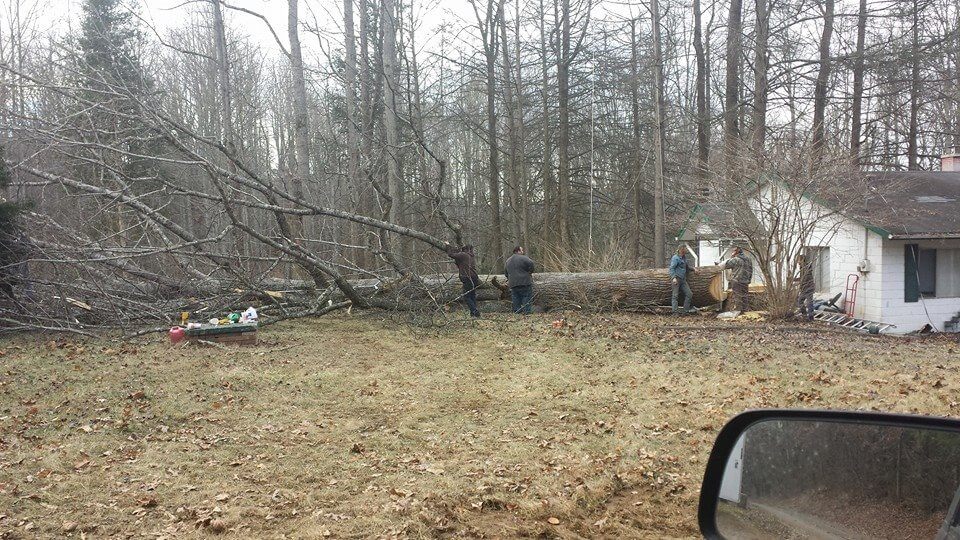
x,y
850,243
911,316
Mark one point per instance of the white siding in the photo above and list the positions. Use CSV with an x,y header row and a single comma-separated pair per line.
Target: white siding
x,y
911,316
850,243
709,252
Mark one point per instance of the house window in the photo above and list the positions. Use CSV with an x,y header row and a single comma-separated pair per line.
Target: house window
x,y
820,257
931,273
927,271
948,273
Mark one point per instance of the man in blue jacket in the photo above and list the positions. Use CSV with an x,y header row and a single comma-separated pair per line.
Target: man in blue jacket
x,y
678,280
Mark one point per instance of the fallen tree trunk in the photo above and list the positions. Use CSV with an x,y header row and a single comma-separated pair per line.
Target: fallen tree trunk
x,y
629,290
632,290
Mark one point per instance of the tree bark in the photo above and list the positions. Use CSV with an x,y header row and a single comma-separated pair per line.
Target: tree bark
x,y
391,83
223,76
524,171
546,231
563,135
514,161
823,77
415,99
731,98
659,240
631,290
703,113
226,108
350,98
636,239
489,34
856,122
760,84
912,151
301,120
366,123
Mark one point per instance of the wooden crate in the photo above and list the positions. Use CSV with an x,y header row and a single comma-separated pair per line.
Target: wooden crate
x,y
233,334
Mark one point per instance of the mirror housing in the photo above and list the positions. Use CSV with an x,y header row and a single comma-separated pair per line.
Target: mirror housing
x,y
732,436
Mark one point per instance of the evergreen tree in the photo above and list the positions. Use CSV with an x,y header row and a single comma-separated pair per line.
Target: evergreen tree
x,y
113,77
11,235
109,44
8,210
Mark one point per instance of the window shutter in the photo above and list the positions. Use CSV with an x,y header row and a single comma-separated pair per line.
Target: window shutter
x,y
911,283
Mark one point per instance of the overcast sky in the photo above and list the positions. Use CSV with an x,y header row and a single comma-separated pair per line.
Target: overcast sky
x,y
61,15
325,14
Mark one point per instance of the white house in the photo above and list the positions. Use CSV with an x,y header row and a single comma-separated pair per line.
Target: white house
x,y
901,247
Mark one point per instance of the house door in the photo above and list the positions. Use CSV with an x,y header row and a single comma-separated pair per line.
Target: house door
x,y
820,259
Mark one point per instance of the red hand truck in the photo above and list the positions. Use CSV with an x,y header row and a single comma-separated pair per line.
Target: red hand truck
x,y
850,295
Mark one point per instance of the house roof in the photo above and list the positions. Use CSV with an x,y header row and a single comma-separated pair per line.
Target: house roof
x,y
912,204
719,219
702,213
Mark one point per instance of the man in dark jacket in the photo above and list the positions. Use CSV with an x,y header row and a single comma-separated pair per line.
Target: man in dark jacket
x,y
518,269
806,286
679,269
467,270
15,250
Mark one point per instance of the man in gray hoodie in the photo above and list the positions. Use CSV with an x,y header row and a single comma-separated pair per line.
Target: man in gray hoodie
x,y
518,270
740,276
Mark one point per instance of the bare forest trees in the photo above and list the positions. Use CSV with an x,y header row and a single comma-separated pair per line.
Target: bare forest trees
x,y
212,160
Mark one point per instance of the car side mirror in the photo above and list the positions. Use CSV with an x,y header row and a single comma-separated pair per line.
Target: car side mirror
x,y
831,474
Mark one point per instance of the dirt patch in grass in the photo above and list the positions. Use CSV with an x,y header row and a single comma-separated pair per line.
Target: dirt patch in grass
x,y
350,427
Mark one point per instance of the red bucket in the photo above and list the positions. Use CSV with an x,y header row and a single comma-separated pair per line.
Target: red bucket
x,y
177,334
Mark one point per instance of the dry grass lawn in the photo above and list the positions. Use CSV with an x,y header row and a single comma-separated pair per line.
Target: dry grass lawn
x,y
360,426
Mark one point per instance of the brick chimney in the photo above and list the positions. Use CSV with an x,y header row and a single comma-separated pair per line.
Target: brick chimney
x,y
950,162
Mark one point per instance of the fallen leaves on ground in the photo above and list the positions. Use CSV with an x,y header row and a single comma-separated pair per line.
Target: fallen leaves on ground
x,y
355,426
